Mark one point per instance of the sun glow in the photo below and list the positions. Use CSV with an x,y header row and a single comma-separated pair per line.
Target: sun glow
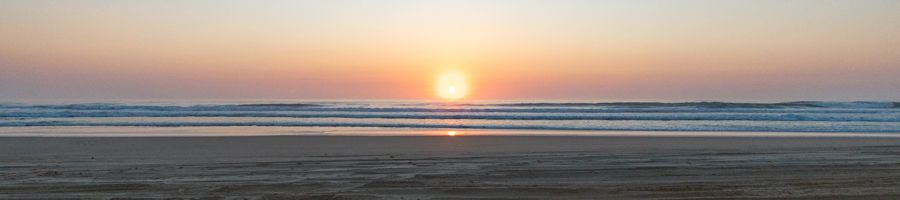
x,y
452,85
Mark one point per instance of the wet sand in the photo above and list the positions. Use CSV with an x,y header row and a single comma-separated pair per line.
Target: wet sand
x,y
434,167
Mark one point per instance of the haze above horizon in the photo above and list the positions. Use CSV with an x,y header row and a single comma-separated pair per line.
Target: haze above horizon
x,y
397,49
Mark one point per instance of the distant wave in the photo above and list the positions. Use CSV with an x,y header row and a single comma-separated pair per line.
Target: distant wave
x,y
859,107
686,116
711,127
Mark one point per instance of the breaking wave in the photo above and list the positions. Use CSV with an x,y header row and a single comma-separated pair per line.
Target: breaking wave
x,y
801,116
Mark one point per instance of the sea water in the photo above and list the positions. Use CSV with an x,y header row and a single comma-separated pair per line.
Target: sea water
x,y
807,116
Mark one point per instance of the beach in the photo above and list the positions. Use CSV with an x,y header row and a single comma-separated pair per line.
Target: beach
x,y
450,167
449,100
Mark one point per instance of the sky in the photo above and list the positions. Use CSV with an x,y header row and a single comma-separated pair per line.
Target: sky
x,y
687,50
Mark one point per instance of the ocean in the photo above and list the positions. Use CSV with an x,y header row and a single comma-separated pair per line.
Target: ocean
x,y
787,117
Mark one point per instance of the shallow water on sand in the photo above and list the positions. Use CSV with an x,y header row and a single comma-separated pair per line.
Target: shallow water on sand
x,y
104,131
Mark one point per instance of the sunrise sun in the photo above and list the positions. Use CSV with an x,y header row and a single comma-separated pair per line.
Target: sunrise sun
x,y
452,85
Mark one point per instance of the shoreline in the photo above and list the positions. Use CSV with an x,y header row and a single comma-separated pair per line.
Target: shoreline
x,y
117,131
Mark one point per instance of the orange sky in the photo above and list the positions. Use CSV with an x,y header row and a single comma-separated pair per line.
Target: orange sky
x,y
609,50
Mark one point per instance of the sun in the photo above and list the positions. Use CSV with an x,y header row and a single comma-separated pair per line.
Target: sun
x,y
452,85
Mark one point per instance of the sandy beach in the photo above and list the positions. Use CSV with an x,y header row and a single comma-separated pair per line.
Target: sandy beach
x,y
449,100
435,167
